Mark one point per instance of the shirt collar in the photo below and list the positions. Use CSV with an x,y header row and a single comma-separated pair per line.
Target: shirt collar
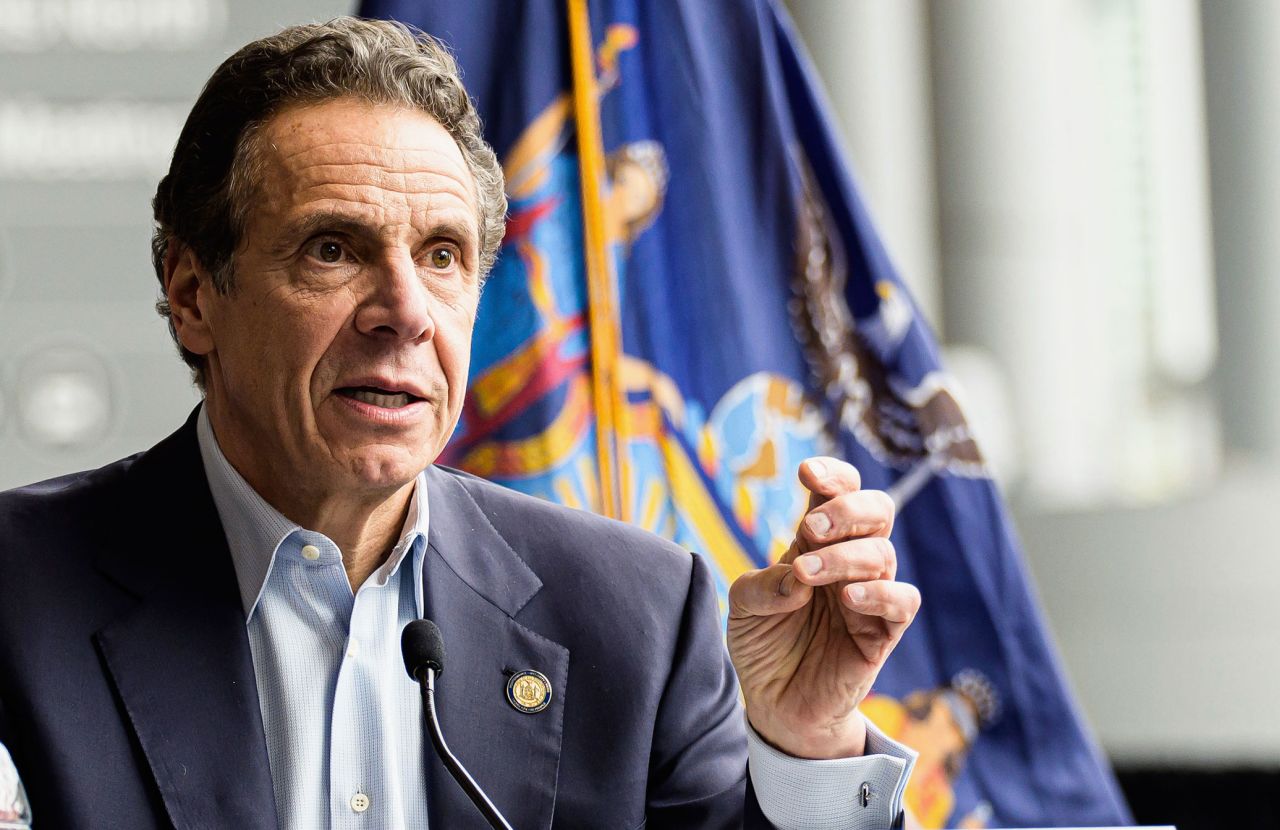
x,y
255,530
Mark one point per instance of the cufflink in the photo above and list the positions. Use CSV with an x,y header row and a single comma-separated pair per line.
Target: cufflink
x,y
15,810
529,691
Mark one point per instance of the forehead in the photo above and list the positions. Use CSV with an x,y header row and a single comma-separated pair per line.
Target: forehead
x,y
387,158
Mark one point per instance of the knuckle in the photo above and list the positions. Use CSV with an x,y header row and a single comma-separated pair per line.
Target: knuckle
x,y
888,554
860,560
878,510
882,503
851,474
907,599
742,584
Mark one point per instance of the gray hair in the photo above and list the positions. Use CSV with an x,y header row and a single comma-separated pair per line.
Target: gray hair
x,y
203,202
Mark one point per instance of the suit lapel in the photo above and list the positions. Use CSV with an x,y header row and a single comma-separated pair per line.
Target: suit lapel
x,y
180,658
475,584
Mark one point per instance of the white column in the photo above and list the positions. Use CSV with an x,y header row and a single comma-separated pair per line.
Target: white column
x,y
1243,99
1018,280
1072,194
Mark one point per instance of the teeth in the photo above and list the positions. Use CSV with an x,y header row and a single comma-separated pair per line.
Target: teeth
x,y
387,401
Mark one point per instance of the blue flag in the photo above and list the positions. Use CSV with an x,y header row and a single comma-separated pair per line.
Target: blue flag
x,y
690,300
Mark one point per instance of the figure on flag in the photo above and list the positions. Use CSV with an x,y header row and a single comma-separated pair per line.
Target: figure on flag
x,y
942,724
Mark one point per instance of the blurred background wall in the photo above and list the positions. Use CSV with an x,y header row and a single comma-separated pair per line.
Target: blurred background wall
x,y
1084,194
92,96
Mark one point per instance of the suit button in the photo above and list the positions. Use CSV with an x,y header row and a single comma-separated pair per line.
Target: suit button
x,y
360,802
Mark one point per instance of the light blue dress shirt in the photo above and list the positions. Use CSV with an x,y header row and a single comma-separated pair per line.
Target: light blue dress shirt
x,y
343,721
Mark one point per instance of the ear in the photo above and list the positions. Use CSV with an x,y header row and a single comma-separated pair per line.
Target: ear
x,y
186,283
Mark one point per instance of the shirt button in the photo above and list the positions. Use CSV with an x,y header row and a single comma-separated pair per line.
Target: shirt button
x,y
352,648
310,552
360,802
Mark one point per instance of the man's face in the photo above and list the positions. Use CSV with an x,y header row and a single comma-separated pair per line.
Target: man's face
x,y
339,359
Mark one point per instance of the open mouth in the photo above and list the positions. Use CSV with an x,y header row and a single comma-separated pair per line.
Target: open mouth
x,y
372,395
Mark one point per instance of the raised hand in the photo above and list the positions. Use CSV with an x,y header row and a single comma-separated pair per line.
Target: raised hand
x,y
809,635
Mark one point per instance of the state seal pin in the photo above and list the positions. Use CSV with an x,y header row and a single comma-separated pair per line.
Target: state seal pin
x,y
529,691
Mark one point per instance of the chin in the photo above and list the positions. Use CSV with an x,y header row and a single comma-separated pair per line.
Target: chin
x,y
384,470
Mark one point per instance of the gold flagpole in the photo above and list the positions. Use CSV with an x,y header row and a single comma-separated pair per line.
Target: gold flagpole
x,y
609,396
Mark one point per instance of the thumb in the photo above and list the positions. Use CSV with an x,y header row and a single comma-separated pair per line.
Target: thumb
x,y
768,591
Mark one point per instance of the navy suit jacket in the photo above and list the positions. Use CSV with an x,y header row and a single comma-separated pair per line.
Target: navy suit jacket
x,y
127,693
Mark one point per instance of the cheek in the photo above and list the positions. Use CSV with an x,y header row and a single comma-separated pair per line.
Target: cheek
x,y
455,360
299,336
280,361
453,346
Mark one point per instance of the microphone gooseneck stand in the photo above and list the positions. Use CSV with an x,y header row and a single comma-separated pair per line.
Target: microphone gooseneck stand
x,y
423,649
451,763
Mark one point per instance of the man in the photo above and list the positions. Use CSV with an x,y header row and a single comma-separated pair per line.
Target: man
x,y
205,635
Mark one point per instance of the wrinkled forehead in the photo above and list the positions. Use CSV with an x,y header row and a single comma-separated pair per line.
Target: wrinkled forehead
x,y
394,161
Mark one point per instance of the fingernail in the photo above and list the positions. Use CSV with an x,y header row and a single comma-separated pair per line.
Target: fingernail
x,y
811,564
818,523
857,593
818,469
786,583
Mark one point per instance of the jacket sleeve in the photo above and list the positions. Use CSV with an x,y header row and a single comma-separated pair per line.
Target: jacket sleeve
x,y
698,769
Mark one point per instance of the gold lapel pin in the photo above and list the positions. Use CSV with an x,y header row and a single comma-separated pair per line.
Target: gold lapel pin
x,y
529,691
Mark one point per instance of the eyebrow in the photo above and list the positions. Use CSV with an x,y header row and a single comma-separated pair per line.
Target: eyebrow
x,y
328,221
463,232
320,222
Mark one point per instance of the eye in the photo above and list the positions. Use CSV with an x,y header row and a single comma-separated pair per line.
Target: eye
x,y
441,258
328,251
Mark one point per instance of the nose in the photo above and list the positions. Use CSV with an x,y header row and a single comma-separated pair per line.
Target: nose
x,y
399,304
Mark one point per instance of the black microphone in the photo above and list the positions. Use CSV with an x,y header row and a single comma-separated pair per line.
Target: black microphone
x,y
423,650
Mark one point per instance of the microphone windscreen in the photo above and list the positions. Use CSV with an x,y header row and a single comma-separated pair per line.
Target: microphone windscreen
x,y
422,647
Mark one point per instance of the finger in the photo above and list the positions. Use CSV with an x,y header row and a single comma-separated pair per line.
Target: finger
x,y
895,602
854,560
826,477
860,513
771,590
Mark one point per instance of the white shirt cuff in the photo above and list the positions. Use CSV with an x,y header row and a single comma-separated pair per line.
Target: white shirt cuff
x,y
863,793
